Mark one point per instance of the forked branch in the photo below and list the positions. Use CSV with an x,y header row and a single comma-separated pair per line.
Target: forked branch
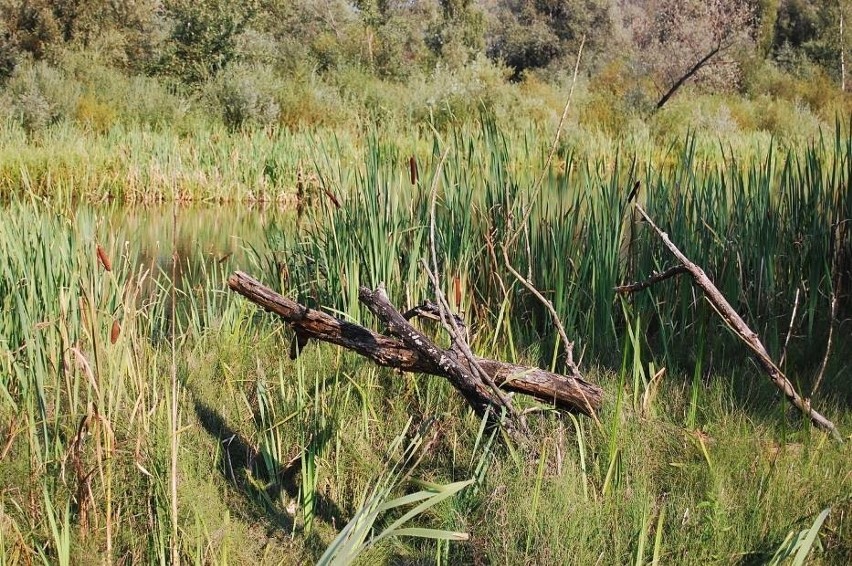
x,y
742,330
652,280
414,352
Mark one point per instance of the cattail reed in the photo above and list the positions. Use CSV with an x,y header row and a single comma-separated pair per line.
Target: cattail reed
x,y
103,258
457,291
114,332
332,198
412,170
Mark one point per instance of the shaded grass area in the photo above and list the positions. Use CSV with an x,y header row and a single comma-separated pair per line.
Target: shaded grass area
x,y
703,465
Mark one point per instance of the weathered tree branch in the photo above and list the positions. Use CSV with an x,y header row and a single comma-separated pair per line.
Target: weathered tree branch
x,y
652,280
687,75
569,393
741,329
471,388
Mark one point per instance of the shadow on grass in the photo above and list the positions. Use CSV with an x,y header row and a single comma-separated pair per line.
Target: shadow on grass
x,y
250,473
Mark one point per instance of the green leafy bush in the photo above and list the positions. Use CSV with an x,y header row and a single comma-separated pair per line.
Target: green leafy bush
x,y
245,95
40,94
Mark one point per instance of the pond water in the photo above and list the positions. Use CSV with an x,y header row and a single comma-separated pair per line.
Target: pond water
x,y
229,235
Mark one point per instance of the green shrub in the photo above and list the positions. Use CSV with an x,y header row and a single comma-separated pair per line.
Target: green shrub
x,y
94,113
41,95
203,38
148,101
309,101
245,95
456,96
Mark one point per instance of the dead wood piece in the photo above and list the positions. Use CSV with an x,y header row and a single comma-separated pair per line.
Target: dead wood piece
x,y
381,350
462,379
653,280
564,392
432,311
687,75
742,330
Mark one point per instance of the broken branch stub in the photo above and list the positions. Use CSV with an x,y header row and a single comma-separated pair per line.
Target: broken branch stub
x,y
565,392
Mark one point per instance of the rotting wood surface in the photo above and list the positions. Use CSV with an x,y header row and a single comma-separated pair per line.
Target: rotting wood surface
x,y
564,392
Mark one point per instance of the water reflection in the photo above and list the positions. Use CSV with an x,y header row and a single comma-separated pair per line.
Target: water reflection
x,y
202,235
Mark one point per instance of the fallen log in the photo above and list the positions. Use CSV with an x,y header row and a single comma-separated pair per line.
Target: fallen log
x,y
570,393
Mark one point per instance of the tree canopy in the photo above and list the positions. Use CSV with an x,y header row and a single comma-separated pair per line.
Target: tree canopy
x,y
657,40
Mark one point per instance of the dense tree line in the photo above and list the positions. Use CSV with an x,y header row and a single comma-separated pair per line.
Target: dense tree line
x,y
654,41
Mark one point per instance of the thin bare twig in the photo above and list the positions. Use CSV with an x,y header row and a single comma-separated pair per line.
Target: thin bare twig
x,y
537,186
569,346
790,328
447,319
835,292
174,438
573,369
653,280
526,281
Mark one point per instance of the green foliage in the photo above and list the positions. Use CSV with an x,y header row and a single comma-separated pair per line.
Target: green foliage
x,y
40,94
809,32
355,537
700,194
245,96
536,34
799,543
203,38
278,456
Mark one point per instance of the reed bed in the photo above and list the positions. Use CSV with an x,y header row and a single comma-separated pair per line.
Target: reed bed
x,y
762,225
698,464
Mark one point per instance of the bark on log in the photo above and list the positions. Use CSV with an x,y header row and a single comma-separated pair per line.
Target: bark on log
x,y
471,388
564,392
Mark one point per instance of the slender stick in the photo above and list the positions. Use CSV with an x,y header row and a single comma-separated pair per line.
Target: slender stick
x,y
837,278
537,186
653,280
447,319
175,426
573,369
526,281
790,328
741,329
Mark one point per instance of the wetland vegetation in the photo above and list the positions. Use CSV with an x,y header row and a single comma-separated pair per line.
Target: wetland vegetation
x,y
150,415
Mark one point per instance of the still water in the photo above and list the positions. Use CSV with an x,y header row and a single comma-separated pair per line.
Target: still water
x,y
231,235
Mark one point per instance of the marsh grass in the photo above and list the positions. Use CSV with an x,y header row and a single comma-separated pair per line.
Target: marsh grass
x,y
699,464
762,226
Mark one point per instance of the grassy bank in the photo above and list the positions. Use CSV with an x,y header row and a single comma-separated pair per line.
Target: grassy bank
x,y
75,125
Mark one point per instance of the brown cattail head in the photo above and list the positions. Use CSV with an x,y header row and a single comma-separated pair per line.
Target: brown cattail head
x,y
116,330
103,258
412,170
457,291
332,198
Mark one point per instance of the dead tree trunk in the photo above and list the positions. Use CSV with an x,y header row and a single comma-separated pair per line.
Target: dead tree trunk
x,y
414,352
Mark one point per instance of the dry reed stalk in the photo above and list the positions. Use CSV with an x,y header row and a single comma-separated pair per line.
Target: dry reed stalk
x,y
457,292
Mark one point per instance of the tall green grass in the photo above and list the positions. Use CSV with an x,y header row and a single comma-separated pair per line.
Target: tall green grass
x,y
761,225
